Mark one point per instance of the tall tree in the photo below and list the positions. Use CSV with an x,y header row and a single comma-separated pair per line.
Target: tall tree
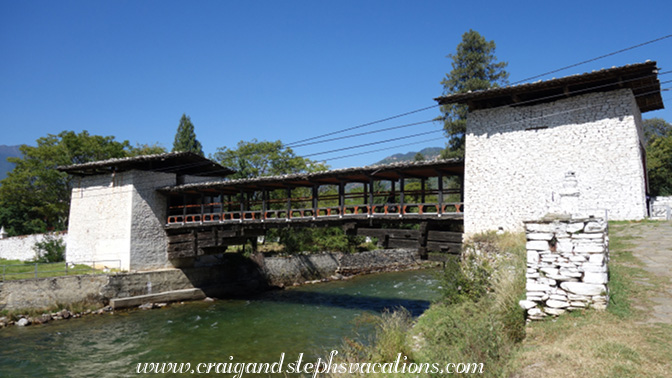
x,y
35,197
475,67
185,137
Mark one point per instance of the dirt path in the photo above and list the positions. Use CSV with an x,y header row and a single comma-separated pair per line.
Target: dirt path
x,y
652,244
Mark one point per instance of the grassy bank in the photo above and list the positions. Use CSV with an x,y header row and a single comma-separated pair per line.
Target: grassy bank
x,y
19,270
478,320
620,342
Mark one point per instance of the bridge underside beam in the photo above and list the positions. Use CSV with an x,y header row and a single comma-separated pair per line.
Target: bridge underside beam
x,y
432,236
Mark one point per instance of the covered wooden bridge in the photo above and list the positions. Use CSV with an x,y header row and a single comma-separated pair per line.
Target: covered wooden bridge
x,y
369,201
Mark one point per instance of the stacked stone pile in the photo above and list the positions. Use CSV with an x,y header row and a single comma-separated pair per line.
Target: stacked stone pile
x,y
566,266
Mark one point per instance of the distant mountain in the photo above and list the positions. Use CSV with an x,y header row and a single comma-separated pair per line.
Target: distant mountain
x,y
429,153
5,152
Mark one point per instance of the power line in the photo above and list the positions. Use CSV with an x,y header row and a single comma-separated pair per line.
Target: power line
x,y
374,143
362,125
594,59
368,132
384,149
145,179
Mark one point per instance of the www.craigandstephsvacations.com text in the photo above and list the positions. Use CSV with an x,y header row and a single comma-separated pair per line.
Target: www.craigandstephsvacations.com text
x,y
299,366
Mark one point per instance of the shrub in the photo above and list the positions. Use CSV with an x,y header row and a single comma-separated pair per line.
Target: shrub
x,y
51,249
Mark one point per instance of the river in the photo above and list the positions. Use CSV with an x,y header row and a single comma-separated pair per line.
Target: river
x,y
311,319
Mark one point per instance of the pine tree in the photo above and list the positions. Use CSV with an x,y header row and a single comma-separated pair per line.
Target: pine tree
x,y
475,67
185,137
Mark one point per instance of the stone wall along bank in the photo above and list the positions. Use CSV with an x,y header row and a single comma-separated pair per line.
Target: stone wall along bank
x,y
297,269
566,266
235,275
22,247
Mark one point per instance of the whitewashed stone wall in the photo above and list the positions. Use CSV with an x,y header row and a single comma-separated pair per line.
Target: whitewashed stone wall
x,y
517,158
98,225
119,217
566,266
661,207
149,242
22,247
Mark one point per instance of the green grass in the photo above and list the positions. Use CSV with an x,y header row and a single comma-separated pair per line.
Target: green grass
x,y
19,270
618,342
479,321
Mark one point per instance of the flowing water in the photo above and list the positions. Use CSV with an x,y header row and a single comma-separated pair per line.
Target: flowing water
x,y
311,319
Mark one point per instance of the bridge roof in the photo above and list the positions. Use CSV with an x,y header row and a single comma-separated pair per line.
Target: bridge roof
x,y
180,163
642,78
394,171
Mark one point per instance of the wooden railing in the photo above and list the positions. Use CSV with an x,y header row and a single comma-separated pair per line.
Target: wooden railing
x,y
406,210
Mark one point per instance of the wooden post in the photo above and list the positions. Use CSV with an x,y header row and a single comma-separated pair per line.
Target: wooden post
x,y
184,208
289,203
242,205
202,207
341,197
315,199
401,196
364,193
371,195
440,194
422,240
221,206
264,193
422,190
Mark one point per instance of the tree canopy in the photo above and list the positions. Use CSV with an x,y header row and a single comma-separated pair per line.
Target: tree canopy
x,y
35,197
185,137
658,136
655,128
475,67
254,159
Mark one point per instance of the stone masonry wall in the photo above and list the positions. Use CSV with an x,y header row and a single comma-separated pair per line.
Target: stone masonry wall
x,y
566,266
99,222
517,157
21,247
235,276
119,217
661,207
289,270
149,241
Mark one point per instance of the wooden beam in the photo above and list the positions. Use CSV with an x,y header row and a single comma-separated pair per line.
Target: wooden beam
x,y
402,243
393,233
444,236
453,248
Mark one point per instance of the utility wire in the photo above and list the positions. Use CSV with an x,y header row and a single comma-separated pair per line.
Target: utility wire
x,y
374,143
149,180
367,132
384,149
594,59
360,126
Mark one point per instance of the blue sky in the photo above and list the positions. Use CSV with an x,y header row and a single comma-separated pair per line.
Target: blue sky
x,y
284,70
